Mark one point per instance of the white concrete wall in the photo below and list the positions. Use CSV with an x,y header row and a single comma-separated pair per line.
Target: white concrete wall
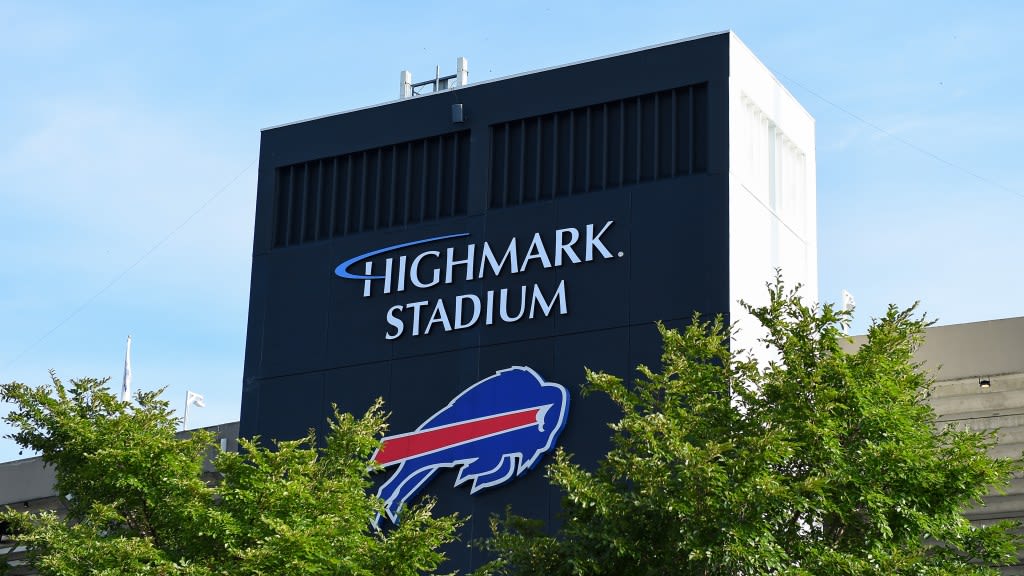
x,y
772,193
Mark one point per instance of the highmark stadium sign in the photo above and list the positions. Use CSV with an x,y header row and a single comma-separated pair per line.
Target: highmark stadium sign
x,y
401,268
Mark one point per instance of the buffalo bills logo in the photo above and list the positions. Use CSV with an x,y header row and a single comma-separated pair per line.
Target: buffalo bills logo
x,y
495,430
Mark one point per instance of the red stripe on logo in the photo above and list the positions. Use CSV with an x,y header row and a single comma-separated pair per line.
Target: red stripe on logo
x,y
404,446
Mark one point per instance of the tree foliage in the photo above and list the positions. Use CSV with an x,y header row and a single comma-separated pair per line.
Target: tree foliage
x,y
824,461
137,501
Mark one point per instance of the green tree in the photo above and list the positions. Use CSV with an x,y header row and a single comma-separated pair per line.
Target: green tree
x,y
138,503
824,461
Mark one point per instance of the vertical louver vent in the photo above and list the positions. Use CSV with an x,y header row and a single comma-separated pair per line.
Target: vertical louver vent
x,y
374,189
600,147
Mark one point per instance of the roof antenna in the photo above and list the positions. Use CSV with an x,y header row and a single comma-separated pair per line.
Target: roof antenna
x,y
461,77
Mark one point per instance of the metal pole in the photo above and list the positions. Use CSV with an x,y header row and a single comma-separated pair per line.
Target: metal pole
x,y
461,72
184,422
405,89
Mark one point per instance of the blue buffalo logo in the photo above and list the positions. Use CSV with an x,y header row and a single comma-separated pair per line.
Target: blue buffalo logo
x,y
495,430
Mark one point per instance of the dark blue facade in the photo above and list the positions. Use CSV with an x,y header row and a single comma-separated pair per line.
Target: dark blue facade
x,y
639,140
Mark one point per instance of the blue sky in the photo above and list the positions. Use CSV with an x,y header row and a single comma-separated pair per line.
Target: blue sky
x,y
130,133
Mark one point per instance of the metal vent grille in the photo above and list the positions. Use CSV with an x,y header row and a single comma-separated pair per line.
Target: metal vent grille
x,y
600,147
396,185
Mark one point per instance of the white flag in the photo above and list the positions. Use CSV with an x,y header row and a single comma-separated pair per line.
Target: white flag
x,y
190,399
848,306
126,384
196,399
848,302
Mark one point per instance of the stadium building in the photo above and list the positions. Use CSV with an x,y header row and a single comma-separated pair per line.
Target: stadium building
x,y
465,253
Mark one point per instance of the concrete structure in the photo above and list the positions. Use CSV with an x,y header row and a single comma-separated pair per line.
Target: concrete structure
x,y
28,485
979,385
978,371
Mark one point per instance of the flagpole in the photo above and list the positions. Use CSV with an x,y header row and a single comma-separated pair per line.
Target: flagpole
x,y
126,383
190,399
184,423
